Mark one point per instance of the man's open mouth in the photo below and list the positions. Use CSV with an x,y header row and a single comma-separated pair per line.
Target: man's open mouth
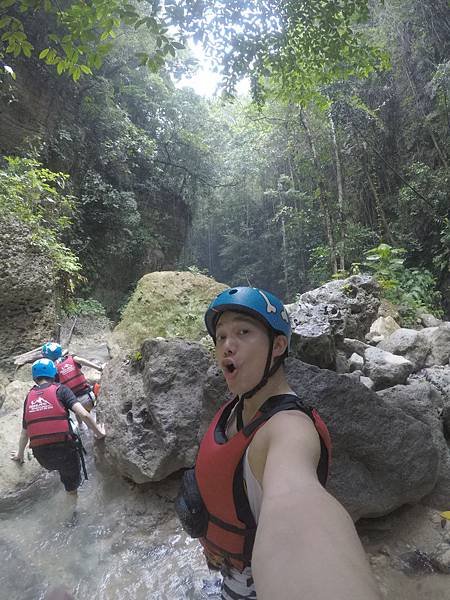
x,y
230,368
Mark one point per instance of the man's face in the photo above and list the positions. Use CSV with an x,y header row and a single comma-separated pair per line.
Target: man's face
x,y
242,346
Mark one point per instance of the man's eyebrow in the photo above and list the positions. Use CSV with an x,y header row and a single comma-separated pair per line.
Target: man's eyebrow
x,y
245,318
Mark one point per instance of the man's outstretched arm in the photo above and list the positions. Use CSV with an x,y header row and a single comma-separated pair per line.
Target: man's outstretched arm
x,y
306,544
99,430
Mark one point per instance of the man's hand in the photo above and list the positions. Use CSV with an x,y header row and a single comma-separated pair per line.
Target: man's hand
x,y
17,458
102,434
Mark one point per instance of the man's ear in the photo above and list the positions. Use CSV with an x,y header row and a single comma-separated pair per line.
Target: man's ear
x,y
279,345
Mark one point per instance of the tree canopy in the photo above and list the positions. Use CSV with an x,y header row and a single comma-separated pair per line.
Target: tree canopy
x,y
294,46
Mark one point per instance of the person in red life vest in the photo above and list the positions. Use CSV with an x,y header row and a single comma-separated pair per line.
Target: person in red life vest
x,y
70,374
256,498
47,426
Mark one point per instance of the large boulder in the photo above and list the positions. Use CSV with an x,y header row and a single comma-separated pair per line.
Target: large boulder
x,y
423,402
439,340
165,304
382,456
410,343
323,317
386,369
27,292
156,409
381,328
439,378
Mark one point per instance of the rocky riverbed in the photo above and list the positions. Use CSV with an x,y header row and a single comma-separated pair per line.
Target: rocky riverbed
x,y
391,466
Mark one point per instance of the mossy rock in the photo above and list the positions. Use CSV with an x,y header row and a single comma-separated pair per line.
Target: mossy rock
x,y
168,304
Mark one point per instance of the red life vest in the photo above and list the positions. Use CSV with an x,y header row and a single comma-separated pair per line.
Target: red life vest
x,y
231,529
70,374
46,419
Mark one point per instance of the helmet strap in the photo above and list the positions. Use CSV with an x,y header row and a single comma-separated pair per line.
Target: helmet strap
x,y
268,372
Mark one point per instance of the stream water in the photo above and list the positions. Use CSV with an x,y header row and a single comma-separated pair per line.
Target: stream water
x,y
112,546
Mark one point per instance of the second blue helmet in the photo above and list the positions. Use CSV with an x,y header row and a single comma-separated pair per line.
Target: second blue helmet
x,y
52,350
44,367
256,302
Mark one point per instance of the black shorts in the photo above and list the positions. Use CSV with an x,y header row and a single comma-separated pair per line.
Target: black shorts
x,y
64,458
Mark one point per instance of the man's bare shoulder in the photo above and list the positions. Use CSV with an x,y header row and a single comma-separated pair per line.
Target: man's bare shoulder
x,y
288,440
289,426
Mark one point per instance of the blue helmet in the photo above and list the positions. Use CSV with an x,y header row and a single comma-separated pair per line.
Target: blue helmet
x,y
51,350
259,304
44,367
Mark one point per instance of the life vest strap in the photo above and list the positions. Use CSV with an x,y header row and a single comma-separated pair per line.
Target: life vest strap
x,y
244,531
226,554
59,418
66,436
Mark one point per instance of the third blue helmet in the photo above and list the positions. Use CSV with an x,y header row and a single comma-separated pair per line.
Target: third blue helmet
x,y
44,367
258,303
52,350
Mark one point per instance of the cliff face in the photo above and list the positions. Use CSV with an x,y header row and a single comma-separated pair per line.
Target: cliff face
x,y
167,217
32,106
27,292
43,113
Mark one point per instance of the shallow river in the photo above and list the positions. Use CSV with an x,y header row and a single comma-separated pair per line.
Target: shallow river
x,y
113,546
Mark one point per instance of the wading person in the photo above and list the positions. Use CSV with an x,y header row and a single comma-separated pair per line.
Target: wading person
x,y
70,374
256,498
47,426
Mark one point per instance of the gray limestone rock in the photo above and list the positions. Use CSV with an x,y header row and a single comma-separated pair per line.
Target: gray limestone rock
x,y
342,364
428,320
410,343
157,409
382,456
381,328
421,401
323,317
367,382
441,558
356,362
386,369
350,346
439,340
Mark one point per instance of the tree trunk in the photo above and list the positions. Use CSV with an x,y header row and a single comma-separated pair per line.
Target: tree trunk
x,y
340,195
285,262
380,211
322,195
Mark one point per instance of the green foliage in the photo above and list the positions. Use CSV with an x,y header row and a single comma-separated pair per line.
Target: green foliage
x,y
86,307
288,47
80,35
36,197
412,290
442,260
320,270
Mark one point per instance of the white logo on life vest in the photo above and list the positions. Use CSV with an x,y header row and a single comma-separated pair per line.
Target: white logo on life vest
x,y
66,369
39,404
